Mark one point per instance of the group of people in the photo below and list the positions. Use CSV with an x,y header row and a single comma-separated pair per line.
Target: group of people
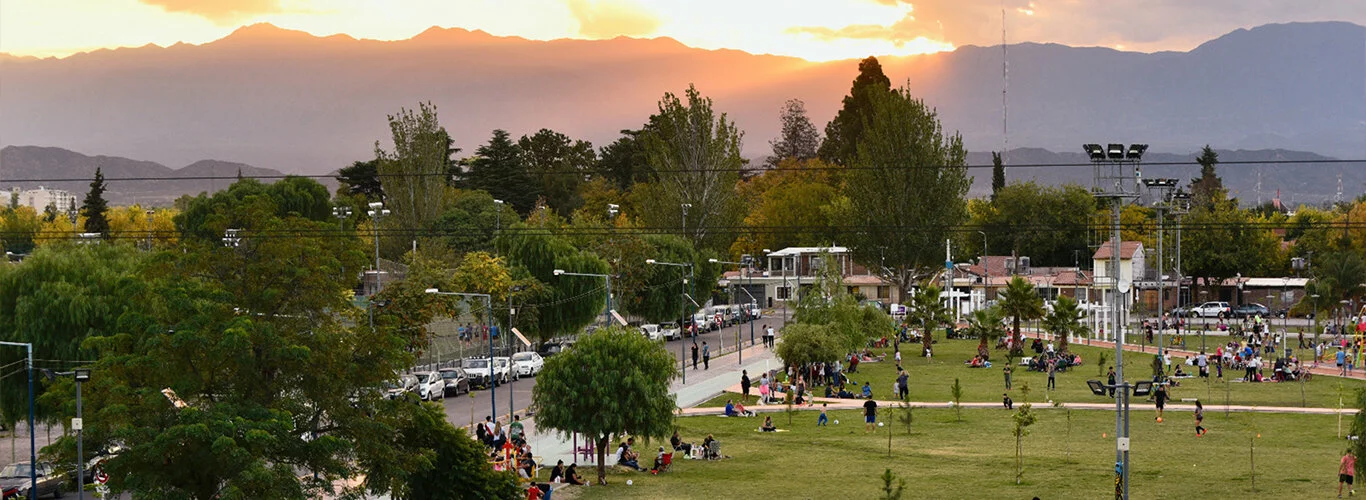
x,y
507,448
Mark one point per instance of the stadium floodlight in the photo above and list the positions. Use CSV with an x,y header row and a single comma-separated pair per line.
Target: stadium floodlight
x,y
1116,151
1095,151
1136,151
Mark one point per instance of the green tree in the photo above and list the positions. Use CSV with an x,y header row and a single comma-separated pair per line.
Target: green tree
x,y
55,299
623,163
803,344
892,486
1065,319
987,325
1020,301
1023,418
413,175
499,168
205,217
1344,273
1047,223
1229,241
909,173
792,204
1208,189
563,305
558,165
696,156
798,138
851,324
845,131
957,391
613,382
361,179
94,208
1356,447
456,467
926,309
998,175
470,222
18,228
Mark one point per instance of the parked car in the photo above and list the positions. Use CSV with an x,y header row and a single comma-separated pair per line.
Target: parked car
x,y
705,322
1212,309
755,312
15,481
456,380
650,331
670,331
1180,311
552,348
502,367
405,383
527,364
1251,309
430,386
477,371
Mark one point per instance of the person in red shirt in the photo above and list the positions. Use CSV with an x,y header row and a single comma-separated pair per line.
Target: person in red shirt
x,y
1346,471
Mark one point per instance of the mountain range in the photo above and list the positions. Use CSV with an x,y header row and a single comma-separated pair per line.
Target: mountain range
x,y
298,103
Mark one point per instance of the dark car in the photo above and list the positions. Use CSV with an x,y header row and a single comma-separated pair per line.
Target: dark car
x,y
1180,312
15,480
1251,309
456,381
552,348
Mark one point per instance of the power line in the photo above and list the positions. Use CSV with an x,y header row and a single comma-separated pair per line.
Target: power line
x,y
1191,163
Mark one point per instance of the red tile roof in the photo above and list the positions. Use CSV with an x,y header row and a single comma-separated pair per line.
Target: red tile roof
x,y
1126,250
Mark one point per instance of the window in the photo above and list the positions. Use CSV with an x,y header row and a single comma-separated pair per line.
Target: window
x,y
784,293
884,292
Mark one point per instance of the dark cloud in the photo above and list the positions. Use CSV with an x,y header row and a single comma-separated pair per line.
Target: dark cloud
x,y
219,11
1134,24
610,18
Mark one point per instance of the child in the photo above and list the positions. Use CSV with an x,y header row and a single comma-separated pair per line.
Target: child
x,y
823,420
1199,418
1005,400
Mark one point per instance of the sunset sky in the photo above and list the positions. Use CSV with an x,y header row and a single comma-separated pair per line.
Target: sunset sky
x,y
812,29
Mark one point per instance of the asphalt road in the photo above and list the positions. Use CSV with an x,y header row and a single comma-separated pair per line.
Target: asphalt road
x,y
458,409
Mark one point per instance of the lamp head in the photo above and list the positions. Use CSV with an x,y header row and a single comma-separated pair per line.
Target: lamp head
x,y
559,272
432,290
500,202
713,261
649,261
82,375
376,204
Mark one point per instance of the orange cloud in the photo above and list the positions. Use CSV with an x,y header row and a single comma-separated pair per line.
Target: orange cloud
x,y
611,18
219,11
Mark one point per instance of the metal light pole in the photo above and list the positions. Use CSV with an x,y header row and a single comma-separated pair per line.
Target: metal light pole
x,y
488,318
77,424
986,271
1114,170
1164,188
682,314
32,437
376,211
607,307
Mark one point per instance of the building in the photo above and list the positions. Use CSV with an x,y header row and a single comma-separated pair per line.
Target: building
x,y
980,282
42,198
793,270
1132,266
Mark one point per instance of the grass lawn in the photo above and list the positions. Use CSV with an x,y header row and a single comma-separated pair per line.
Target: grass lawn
x,y
1296,456
931,379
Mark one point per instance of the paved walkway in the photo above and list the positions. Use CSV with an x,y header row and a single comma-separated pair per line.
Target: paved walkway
x,y
1328,368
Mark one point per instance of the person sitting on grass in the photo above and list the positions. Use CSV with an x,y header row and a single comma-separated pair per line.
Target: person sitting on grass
x,y
557,473
626,457
844,393
867,391
768,425
730,409
571,475
744,412
679,445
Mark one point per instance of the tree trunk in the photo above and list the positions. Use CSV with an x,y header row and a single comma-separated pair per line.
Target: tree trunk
x,y
1017,344
602,460
1018,451
926,339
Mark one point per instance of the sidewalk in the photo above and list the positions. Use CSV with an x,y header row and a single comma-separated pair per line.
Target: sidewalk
x,y
702,385
1325,369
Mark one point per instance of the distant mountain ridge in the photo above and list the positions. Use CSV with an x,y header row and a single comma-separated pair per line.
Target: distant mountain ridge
x,y
307,104
157,184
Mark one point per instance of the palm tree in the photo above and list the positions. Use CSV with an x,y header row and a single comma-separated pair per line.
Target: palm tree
x,y
925,309
985,324
1065,320
1021,302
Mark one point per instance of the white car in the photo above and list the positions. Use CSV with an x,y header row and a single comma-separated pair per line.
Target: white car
x,y
650,331
430,386
502,367
1212,309
705,322
754,311
527,364
669,332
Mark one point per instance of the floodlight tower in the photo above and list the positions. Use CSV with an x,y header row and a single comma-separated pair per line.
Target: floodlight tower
x,y
1163,190
1117,179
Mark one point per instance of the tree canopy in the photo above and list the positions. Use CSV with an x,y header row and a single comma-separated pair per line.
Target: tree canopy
x,y
845,131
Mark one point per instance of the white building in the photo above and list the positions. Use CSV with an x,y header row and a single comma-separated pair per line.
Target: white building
x,y
41,198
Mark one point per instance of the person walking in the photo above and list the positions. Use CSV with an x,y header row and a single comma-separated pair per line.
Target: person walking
x,y
1008,370
744,384
1199,418
1111,381
694,354
1346,472
706,356
1342,362
823,420
902,385
1160,395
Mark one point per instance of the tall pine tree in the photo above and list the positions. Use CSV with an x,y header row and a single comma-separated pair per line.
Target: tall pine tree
x,y
799,139
1208,189
842,134
95,207
998,174
499,169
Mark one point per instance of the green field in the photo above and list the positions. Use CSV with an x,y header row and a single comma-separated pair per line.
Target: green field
x,y
1296,456
930,380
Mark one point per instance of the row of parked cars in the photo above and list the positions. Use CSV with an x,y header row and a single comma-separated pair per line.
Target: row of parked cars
x,y
1223,310
706,320
473,373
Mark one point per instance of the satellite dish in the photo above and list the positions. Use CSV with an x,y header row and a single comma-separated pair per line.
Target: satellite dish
x,y
1125,286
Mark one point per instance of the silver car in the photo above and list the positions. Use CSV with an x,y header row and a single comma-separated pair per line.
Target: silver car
x,y
430,386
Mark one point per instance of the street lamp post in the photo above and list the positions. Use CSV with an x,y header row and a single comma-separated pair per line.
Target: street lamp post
x,y
1164,187
77,424
488,318
607,307
682,308
986,271
745,260
32,437
376,212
